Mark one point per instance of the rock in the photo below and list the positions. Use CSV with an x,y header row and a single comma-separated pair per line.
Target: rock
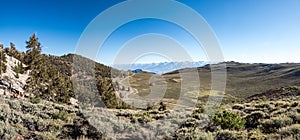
x,y
73,101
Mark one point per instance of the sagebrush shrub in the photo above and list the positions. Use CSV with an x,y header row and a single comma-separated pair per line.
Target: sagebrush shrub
x,y
253,119
198,110
263,105
272,125
15,105
256,134
238,107
230,135
228,120
298,109
295,117
293,130
294,104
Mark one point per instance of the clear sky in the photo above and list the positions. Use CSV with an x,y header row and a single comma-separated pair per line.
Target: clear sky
x,y
266,31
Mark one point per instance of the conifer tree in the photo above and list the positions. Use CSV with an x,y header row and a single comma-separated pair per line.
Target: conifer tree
x,y
2,62
34,60
33,52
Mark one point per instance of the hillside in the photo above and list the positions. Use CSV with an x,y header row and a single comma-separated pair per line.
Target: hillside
x,y
52,78
244,80
33,119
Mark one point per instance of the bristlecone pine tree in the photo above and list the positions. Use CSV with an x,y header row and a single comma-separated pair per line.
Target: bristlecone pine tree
x,y
45,81
107,94
33,61
2,61
32,57
12,51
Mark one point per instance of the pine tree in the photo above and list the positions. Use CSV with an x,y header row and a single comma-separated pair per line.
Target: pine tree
x,y
33,51
12,51
2,62
107,93
35,62
19,69
17,74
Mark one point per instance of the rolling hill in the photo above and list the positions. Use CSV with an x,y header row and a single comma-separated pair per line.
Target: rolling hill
x,y
243,80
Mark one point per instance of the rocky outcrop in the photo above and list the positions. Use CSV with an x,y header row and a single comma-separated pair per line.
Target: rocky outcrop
x,y
10,82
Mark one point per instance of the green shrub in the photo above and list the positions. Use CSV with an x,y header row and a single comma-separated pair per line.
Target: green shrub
x,y
62,115
35,100
228,120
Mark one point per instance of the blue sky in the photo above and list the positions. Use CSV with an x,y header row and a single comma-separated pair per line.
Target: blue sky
x,y
265,31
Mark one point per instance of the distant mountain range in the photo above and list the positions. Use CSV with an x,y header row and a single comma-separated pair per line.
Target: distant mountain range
x,y
160,68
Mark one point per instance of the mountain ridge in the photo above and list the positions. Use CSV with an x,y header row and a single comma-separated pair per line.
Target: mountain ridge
x,y
160,68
